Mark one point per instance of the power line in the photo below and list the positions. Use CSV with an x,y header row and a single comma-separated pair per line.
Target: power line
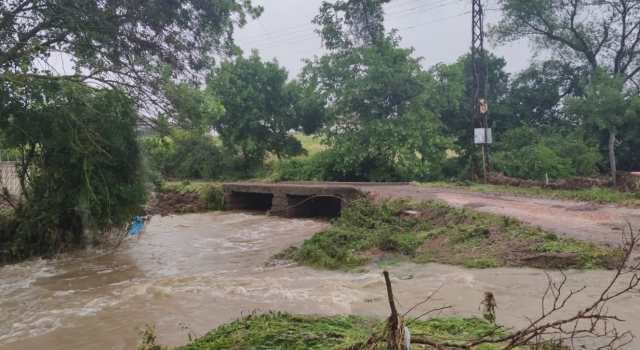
x,y
277,36
430,8
262,37
286,42
277,31
403,4
418,7
438,20
405,28
264,44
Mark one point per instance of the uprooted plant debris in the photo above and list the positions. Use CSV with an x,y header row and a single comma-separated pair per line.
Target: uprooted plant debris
x,y
436,232
569,183
184,199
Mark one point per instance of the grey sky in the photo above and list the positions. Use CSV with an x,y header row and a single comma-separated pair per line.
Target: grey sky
x,y
439,30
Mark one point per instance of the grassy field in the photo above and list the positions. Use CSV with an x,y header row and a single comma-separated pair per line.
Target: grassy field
x,y
283,331
310,143
436,232
597,195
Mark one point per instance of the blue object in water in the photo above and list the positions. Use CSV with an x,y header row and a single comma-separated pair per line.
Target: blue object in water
x,y
136,225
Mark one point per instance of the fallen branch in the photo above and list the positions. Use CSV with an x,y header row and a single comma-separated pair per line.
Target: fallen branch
x,y
591,322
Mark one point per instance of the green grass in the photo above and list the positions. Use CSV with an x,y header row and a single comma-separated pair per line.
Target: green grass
x,y
596,195
311,143
444,234
283,331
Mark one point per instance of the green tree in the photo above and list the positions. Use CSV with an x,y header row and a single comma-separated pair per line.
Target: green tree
x,y
376,122
259,109
117,43
534,152
536,93
187,155
80,168
608,41
605,109
596,34
351,23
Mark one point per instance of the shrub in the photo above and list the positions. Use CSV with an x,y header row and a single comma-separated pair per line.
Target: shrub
x,y
534,153
85,172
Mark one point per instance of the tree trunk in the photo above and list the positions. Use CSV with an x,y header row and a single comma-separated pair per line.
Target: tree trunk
x,y
612,157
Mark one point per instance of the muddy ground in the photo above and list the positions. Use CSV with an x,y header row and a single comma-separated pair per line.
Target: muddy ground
x,y
601,223
174,202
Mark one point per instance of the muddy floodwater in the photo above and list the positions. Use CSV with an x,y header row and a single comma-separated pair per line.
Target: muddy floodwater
x,y
204,270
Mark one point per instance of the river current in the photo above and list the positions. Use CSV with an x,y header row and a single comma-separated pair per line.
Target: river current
x,y
204,270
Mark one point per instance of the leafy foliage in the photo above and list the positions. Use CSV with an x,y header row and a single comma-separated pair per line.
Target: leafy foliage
x,y
80,170
533,153
376,123
127,44
571,31
351,23
536,93
186,156
259,109
608,107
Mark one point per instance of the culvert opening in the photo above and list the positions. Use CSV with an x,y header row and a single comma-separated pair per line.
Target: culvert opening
x,y
311,206
252,201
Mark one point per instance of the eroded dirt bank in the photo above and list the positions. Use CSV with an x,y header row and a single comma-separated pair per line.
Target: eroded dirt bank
x,y
602,223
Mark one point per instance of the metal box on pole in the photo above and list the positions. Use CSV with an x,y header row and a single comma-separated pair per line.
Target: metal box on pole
x,y
479,136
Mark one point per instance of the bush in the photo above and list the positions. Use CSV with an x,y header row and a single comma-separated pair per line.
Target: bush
x,y
85,172
186,156
212,196
314,168
533,153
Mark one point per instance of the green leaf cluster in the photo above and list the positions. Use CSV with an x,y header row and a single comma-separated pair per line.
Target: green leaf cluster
x,y
80,169
260,109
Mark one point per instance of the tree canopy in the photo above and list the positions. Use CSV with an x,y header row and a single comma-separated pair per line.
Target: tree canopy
x,y
376,122
598,34
116,43
259,108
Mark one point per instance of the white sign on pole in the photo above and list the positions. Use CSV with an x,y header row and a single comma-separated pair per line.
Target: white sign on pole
x,y
479,135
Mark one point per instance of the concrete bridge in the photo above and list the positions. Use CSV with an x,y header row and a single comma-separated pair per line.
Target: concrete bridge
x,y
298,199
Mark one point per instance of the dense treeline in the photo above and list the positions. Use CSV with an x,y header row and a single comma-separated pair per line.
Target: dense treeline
x,y
384,117
378,112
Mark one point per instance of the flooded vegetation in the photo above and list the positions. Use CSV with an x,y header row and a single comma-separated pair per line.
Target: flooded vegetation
x,y
206,270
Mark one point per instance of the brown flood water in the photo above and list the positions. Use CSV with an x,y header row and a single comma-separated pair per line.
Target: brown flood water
x,y
205,270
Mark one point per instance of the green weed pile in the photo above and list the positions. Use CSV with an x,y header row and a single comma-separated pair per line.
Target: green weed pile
x,y
283,331
436,232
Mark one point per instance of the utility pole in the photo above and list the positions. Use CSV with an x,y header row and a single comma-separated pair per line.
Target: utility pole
x,y
479,83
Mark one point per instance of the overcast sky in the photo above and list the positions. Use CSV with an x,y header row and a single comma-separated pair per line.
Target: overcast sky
x,y
439,30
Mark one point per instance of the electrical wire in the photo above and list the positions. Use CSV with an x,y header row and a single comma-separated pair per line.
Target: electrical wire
x,y
310,37
400,29
389,16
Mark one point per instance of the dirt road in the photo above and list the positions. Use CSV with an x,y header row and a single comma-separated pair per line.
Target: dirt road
x,y
602,223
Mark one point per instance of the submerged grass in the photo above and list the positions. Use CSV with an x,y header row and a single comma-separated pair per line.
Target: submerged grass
x,y
596,195
277,331
436,232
